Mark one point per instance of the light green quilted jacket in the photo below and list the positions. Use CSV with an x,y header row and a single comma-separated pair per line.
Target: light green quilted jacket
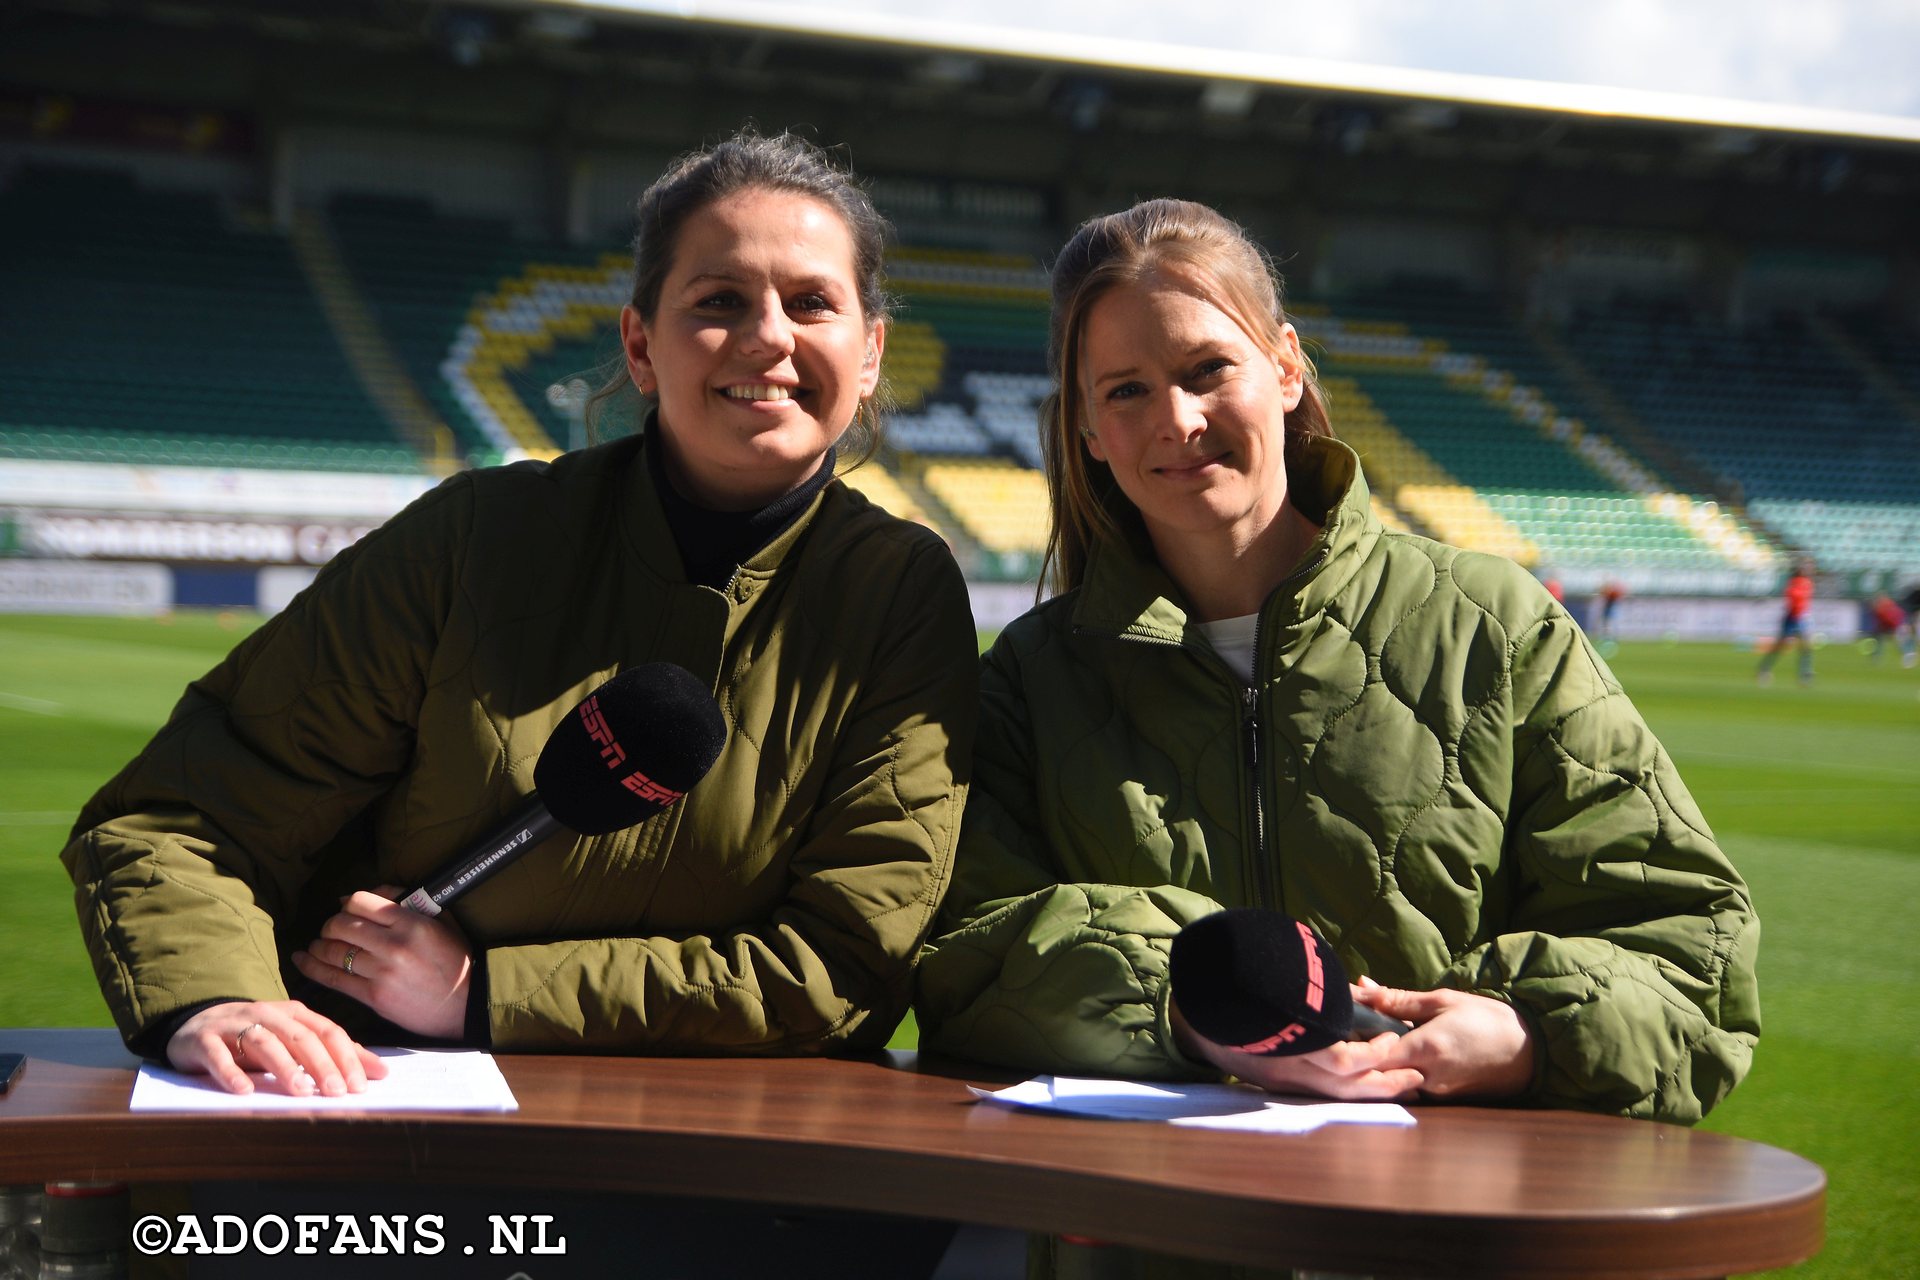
x,y
392,716
1435,769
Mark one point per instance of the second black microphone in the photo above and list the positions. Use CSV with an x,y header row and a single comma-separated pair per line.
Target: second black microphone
x,y
1262,982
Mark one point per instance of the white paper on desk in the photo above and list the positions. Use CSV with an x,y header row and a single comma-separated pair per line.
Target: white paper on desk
x,y
416,1080
1200,1106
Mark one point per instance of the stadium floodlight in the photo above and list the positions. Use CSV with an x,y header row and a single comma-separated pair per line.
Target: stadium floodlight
x,y
1229,99
950,69
560,26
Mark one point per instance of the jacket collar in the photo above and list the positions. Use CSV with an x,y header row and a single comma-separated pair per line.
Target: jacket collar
x,y
1127,593
650,536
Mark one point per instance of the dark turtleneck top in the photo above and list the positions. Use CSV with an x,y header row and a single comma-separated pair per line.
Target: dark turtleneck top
x,y
714,544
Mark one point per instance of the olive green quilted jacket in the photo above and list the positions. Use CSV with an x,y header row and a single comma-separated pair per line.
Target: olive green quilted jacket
x,y
391,718
1435,770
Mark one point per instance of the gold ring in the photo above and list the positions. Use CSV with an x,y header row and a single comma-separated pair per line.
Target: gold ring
x,y
347,964
240,1042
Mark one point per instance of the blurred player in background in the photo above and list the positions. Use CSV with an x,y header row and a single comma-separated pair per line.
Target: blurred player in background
x,y
1886,623
1795,600
1611,594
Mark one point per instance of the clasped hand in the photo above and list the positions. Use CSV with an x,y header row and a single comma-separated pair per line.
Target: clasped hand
x,y
1462,1046
411,969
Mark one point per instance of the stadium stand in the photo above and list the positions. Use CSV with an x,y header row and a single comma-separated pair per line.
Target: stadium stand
x,y
1462,420
1001,505
1768,407
147,325
388,334
879,484
1852,536
1807,421
1879,356
467,304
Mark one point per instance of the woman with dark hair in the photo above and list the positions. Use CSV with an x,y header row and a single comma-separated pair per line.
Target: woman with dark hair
x,y
392,715
1247,693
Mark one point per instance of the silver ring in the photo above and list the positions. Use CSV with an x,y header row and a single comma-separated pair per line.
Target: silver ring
x,y
240,1042
347,964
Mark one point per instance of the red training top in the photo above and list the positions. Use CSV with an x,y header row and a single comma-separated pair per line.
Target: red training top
x,y
1799,595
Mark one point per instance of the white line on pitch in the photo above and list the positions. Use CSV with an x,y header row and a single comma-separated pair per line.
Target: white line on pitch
x,y
39,706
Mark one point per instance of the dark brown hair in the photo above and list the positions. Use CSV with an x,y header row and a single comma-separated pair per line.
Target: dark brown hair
x,y
749,162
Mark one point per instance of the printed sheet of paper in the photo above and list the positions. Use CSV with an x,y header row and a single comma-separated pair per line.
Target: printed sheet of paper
x,y
1199,1106
417,1080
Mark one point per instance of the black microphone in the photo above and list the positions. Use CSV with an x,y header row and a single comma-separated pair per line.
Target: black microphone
x,y
1262,982
628,750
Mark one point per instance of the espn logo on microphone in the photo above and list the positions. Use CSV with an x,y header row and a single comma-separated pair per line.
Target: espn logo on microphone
x,y
647,789
1316,997
1316,974
597,729
615,755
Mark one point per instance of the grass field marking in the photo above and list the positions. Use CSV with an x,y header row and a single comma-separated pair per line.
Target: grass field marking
x,y
111,653
1847,768
1805,850
1854,794
39,706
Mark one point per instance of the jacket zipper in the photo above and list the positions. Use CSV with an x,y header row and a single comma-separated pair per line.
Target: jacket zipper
x,y
1250,722
1265,874
1261,880
1250,719
1264,878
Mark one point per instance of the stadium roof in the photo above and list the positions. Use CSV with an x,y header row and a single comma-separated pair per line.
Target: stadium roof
x,y
1257,69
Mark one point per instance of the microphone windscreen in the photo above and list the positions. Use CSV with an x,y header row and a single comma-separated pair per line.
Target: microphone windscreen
x,y
631,748
1260,981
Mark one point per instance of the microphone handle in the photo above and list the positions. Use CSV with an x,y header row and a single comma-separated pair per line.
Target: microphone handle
x,y
525,829
1369,1022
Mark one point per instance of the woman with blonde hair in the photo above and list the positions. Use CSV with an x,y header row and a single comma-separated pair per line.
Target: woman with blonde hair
x,y
1247,693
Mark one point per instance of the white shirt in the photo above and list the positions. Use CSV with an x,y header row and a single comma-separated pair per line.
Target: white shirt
x,y
1232,639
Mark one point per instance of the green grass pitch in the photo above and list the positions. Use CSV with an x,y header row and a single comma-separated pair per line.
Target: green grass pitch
x,y
1815,792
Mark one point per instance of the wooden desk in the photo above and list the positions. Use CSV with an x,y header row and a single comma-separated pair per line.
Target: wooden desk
x,y
1468,1191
